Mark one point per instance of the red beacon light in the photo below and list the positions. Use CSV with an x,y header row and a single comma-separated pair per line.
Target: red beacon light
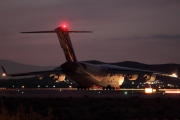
x,y
64,26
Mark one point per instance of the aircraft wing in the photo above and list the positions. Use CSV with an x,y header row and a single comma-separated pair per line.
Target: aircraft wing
x,y
31,73
126,70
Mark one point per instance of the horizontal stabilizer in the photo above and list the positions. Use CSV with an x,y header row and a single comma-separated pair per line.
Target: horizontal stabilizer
x,y
40,32
55,32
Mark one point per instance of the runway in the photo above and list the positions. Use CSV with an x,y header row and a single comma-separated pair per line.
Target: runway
x,y
97,93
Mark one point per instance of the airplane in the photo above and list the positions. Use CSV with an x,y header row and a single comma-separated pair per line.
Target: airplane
x,y
85,74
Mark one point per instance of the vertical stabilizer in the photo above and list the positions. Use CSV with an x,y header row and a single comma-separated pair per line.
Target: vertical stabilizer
x,y
66,45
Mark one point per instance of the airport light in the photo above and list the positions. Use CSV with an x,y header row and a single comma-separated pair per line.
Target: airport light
x,y
174,75
148,90
172,91
154,90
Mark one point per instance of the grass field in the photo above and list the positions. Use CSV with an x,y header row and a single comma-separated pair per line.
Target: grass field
x,y
88,108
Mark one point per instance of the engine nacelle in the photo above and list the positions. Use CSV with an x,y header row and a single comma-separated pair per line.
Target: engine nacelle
x,y
61,78
40,77
58,78
132,76
150,78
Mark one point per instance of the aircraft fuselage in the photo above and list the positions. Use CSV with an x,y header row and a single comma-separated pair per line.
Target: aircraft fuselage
x,y
87,75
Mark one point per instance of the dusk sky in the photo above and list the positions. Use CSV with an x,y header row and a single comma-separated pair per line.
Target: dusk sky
x,y
146,31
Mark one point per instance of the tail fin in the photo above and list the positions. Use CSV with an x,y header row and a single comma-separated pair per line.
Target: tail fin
x,y
65,41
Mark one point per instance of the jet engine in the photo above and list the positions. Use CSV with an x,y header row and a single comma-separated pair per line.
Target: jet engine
x,y
132,76
58,78
149,78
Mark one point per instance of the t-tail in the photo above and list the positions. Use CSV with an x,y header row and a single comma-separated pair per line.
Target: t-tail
x,y
65,41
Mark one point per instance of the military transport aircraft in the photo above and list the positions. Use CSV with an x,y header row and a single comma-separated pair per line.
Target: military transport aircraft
x,y
87,75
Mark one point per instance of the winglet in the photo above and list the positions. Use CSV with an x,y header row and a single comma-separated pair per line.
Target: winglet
x,y
4,71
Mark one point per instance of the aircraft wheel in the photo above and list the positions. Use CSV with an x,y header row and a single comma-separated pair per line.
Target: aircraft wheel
x,y
108,87
78,87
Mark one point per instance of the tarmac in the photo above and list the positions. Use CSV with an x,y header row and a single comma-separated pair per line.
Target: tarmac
x,y
96,93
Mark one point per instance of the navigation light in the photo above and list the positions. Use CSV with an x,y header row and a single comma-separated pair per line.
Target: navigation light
x,y
3,74
174,75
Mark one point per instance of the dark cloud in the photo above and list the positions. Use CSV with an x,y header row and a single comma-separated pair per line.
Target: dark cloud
x,y
151,37
165,37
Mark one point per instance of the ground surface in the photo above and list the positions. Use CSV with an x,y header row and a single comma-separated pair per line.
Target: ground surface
x,y
89,108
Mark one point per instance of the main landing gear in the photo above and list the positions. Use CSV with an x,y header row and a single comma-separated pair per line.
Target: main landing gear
x,y
82,88
108,88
